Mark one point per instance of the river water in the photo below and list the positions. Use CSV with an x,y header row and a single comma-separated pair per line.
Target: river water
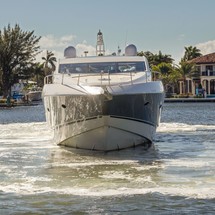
x,y
176,176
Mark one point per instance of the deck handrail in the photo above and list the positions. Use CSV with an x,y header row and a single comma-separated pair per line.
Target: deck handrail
x,y
104,77
48,79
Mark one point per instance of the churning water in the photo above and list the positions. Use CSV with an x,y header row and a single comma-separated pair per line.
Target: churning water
x,y
176,176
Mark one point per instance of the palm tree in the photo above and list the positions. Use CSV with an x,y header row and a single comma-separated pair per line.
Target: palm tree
x,y
168,74
162,58
186,70
1,82
38,73
48,63
191,53
18,48
148,55
156,59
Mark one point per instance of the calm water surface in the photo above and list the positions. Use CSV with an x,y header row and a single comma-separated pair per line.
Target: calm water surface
x,y
176,176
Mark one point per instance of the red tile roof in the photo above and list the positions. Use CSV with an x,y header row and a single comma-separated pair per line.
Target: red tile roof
x,y
205,59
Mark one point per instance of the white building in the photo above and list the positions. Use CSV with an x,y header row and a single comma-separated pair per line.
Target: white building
x,y
206,67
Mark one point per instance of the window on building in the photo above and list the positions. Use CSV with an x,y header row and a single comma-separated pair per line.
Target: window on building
x,y
209,68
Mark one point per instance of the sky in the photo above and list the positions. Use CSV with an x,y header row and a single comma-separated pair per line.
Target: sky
x,y
152,25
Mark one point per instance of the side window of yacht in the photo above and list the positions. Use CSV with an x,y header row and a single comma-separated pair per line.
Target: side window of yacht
x,y
94,68
64,68
73,68
131,66
102,67
80,68
140,66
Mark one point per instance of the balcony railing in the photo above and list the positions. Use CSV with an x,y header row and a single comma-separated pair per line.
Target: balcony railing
x,y
208,73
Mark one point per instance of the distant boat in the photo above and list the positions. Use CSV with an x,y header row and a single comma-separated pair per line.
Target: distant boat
x,y
34,94
103,103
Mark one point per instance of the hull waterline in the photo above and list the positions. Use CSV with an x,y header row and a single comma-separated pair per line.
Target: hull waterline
x,y
104,133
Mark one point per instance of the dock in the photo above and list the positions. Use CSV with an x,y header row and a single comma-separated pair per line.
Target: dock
x,y
17,104
172,100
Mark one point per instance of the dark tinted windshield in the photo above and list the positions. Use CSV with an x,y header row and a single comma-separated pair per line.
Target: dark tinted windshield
x,y
102,67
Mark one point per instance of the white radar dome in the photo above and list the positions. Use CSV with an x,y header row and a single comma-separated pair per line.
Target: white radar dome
x,y
70,52
130,50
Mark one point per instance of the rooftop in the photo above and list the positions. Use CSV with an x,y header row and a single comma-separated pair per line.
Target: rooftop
x,y
205,59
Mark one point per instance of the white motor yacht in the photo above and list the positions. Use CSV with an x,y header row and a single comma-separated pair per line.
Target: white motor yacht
x,y
103,103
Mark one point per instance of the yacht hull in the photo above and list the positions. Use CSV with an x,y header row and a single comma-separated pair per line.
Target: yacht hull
x,y
104,123
104,133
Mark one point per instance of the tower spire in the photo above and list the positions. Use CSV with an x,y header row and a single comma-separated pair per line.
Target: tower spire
x,y
100,47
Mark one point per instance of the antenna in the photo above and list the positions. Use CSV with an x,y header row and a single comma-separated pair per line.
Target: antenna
x,y
118,50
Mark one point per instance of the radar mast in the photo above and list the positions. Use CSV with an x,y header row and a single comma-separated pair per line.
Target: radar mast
x,y
100,47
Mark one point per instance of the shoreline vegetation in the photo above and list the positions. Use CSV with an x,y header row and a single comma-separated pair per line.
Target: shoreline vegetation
x,y
24,68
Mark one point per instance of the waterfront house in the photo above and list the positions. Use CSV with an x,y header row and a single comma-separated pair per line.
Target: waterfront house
x,y
206,66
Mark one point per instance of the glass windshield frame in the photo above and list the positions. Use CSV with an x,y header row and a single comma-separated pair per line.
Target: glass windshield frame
x,y
102,67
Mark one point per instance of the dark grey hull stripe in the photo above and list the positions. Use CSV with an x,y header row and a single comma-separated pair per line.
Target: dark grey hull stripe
x,y
79,120
133,119
96,117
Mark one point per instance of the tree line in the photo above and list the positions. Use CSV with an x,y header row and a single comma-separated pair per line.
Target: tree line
x,y
170,73
18,51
